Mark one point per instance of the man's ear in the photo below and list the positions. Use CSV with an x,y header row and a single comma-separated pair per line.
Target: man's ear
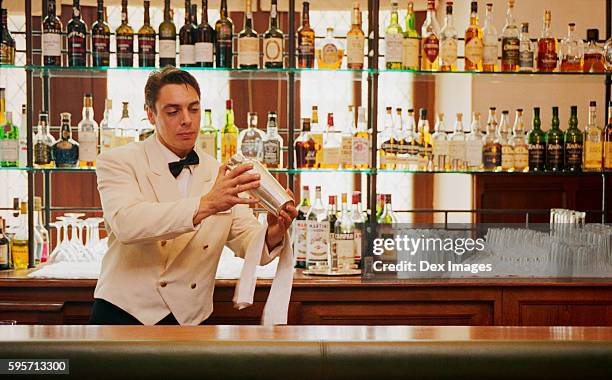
x,y
151,116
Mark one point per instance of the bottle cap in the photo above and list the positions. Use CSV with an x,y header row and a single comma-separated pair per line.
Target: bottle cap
x,y
423,113
228,104
593,35
23,208
592,104
332,200
305,188
37,203
306,124
519,109
356,197
525,27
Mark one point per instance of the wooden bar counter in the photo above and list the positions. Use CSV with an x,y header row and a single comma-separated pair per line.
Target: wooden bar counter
x,y
315,352
349,301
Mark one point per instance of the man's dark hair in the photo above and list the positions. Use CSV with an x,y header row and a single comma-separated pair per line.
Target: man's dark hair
x,y
167,75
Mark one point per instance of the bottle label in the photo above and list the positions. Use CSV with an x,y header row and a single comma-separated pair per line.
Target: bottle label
x,y
229,143
204,52
474,51
440,148
329,55
51,44
360,151
7,54
357,242
301,244
573,154
344,245
146,47
273,50
547,54
167,48
331,156
66,154
318,139
593,155
125,47
4,255
431,48
272,153
208,143
554,155
537,155
346,150
187,54
490,53
11,150
251,148
393,47
248,51
521,157
448,52
306,46
76,45
88,146
608,155
107,137
510,50
101,47
42,154
354,50
507,158
491,156
410,53
456,151
526,59
473,153
318,241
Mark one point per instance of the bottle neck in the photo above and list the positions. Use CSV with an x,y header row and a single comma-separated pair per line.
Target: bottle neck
x,y
546,29
411,22
76,10
100,11
124,13
273,16
519,126
555,121
188,12
204,12
305,16
475,127
448,20
592,116
488,19
167,11
147,18
306,199
125,114
536,122
394,17
51,8
207,120
87,113
474,19
510,16
229,116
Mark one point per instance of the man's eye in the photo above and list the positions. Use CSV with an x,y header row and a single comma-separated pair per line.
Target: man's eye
x,y
195,109
172,113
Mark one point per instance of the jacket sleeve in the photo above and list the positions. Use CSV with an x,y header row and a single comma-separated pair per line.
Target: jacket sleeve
x,y
133,219
244,227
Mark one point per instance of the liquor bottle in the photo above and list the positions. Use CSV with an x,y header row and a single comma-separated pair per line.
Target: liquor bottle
x,y
273,42
474,144
66,150
331,145
19,243
51,37
474,43
125,39
571,51
547,47
412,147
126,132
593,142
317,135
346,139
332,217
146,40
608,141
23,137
77,34
7,42
510,42
608,54
248,42
554,144
440,145
430,41
491,46
537,144
224,31
43,143
393,40
594,61
400,140
361,142
187,39
317,232
205,38
355,41
448,41
411,42
88,135
386,140
43,249
207,138
2,107
272,144
343,246
100,39
573,143
387,216
329,55
229,134
457,151
9,143
503,136
357,215
526,49
305,147
107,130
425,153
491,148
250,140
519,143
306,40
167,38
300,228
5,254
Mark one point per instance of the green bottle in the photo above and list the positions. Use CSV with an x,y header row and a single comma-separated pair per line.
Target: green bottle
x,y
387,216
554,144
9,143
410,43
537,144
573,143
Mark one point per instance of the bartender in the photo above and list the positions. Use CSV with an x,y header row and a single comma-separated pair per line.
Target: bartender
x,y
169,209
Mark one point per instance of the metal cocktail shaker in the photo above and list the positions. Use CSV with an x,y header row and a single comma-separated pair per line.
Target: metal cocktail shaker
x,y
270,193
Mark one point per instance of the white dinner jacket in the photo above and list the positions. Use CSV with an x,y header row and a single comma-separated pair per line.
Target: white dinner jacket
x,y
157,261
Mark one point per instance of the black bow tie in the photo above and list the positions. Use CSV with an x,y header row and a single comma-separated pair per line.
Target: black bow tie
x,y
177,167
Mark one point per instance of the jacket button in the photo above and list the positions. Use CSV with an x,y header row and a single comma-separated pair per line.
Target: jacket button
x,y
193,286
206,246
163,243
163,284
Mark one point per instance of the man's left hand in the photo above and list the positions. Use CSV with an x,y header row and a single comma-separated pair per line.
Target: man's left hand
x,y
277,226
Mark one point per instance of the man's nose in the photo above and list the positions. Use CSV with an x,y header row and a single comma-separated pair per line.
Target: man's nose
x,y
187,118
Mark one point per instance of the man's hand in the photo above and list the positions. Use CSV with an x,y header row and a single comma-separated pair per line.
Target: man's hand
x,y
224,193
277,226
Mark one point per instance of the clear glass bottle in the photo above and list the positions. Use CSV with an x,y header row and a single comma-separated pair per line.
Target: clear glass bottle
x,y
43,143
440,145
9,142
410,42
107,130
23,137
355,41
318,233
510,42
248,41
393,40
66,150
430,40
448,41
594,61
300,228
425,153
474,43
250,140
491,149
358,219
537,144
400,140
330,53
526,49
608,54
593,142
519,143
457,145
346,139
127,131
547,47
412,147
331,145
229,134
208,135
19,243
574,143
343,247
361,142
554,144
473,145
43,250
88,135
571,51
491,45
272,144
306,147
503,137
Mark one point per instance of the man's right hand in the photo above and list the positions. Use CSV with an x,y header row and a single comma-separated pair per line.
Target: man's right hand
x,y
224,193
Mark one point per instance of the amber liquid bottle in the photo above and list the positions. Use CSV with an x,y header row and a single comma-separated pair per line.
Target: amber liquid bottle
x,y
305,41
100,39
305,147
52,37
146,40
224,30
594,61
547,47
77,37
474,43
125,39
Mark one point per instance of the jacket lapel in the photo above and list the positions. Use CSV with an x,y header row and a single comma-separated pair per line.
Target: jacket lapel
x,y
163,183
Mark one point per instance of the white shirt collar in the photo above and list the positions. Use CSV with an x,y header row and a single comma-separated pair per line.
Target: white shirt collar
x,y
169,156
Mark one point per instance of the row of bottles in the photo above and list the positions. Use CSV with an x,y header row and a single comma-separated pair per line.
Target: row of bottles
x,y
14,251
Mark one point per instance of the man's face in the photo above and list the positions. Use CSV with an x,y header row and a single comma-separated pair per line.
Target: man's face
x,y
177,117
